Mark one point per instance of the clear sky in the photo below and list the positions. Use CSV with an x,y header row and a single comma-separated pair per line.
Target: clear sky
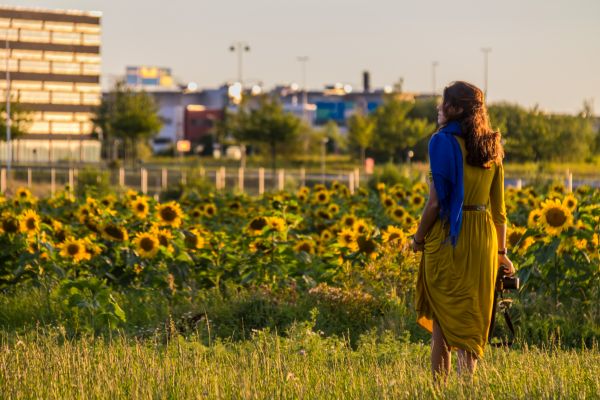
x,y
544,52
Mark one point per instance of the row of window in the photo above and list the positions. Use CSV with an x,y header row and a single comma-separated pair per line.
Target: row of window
x,y
26,35
61,116
43,97
50,67
44,127
53,86
19,54
49,25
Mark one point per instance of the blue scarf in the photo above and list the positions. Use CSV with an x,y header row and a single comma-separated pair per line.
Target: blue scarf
x,y
446,162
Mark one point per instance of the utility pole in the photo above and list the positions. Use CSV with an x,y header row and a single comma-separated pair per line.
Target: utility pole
x,y
486,51
303,60
434,65
8,119
240,48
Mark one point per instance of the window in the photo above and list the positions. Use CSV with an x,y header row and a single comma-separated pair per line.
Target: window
x,y
59,86
4,22
30,96
91,39
13,34
12,64
86,127
59,26
83,117
15,85
27,54
88,87
66,38
39,127
34,36
91,99
66,98
34,66
58,116
88,58
56,56
91,69
66,68
66,127
27,24
87,28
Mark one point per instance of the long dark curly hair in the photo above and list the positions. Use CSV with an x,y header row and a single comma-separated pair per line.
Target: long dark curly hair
x,y
464,102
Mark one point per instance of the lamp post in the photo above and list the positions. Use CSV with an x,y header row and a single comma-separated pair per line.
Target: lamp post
x,y
486,51
434,65
303,60
323,154
8,119
240,48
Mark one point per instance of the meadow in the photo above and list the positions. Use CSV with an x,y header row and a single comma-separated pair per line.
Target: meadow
x,y
294,294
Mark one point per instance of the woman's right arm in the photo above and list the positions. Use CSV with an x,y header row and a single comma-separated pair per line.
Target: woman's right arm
x,y
499,215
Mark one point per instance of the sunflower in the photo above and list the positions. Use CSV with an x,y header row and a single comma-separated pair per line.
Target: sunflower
x,y
534,218
108,201
555,217
164,237
417,200
197,212
323,213
399,194
91,246
276,223
10,224
260,245
347,238
367,246
84,212
30,222
305,245
302,197
210,210
170,214
322,197
380,187
131,194
114,232
397,213
139,206
257,224
570,202
146,244
387,201
74,249
194,239
333,208
23,193
347,221
393,234
514,234
360,227
408,220
326,235
318,187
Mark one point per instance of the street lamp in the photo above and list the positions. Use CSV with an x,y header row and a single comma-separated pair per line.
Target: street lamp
x,y
323,154
303,60
486,51
8,119
240,48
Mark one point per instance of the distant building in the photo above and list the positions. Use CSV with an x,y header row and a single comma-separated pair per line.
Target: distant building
x,y
150,78
54,63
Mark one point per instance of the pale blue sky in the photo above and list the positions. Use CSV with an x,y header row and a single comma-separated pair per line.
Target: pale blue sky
x,y
544,51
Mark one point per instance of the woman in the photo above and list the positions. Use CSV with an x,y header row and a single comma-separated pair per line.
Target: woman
x,y
462,232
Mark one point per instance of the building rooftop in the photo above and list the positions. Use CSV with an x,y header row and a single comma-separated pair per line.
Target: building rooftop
x,y
52,11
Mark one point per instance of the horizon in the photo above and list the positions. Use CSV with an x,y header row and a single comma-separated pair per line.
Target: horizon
x,y
548,57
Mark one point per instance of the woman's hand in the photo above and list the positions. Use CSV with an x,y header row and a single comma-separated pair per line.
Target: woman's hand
x,y
504,260
420,246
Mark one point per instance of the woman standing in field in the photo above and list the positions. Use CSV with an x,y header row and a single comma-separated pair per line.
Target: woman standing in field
x,y
462,232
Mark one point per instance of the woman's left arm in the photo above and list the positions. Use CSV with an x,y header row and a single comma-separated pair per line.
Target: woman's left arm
x,y
430,214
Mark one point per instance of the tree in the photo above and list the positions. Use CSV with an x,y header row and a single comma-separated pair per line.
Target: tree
x,y
127,115
20,120
360,133
394,130
267,124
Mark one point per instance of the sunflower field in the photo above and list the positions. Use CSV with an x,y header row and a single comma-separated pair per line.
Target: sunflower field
x,y
123,260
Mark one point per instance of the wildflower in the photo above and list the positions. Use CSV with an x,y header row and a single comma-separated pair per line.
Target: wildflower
x,y
570,202
30,222
146,244
114,232
305,245
347,238
555,217
139,206
170,214
74,249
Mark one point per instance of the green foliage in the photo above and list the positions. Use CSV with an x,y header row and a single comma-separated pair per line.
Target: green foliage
x,y
92,182
268,124
20,120
360,133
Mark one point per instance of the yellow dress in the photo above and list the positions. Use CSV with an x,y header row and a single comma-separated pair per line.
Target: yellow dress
x,y
455,286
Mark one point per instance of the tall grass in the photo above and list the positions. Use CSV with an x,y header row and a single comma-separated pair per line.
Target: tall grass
x,y
303,364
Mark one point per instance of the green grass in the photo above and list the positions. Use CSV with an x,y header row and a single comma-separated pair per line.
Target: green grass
x,y
302,364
